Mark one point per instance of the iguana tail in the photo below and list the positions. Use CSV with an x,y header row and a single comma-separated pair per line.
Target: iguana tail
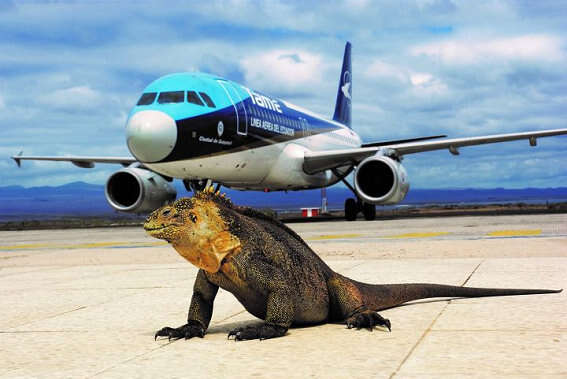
x,y
385,296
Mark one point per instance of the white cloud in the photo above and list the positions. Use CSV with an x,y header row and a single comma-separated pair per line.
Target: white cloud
x,y
466,51
416,84
421,67
73,98
284,70
428,85
421,79
2,102
380,69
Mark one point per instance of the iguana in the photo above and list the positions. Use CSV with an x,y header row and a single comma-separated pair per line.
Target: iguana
x,y
274,273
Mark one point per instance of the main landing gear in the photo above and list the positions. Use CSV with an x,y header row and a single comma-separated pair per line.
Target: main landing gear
x,y
353,206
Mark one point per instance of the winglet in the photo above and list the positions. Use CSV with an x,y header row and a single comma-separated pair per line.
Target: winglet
x,y
344,93
17,159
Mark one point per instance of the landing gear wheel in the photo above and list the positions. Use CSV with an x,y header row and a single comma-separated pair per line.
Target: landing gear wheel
x,y
369,211
351,209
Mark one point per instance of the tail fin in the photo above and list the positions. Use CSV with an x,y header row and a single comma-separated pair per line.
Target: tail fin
x,y
344,94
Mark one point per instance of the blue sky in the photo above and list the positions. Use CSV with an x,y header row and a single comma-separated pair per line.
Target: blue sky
x,y
71,70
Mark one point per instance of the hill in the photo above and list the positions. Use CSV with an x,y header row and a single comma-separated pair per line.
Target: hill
x,y
80,199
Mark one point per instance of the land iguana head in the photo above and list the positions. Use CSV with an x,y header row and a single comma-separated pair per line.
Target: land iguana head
x,y
196,229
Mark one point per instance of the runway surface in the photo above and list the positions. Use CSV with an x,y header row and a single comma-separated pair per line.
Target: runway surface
x,y
86,302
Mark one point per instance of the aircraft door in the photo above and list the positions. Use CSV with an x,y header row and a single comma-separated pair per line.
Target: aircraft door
x,y
238,104
304,126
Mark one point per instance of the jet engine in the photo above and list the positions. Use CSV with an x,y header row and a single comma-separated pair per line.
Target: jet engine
x,y
381,180
137,190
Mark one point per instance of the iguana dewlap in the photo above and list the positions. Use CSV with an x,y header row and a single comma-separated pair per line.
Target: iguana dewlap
x,y
274,273
209,253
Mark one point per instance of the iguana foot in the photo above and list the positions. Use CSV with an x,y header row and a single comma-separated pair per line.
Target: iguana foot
x,y
367,319
189,330
261,332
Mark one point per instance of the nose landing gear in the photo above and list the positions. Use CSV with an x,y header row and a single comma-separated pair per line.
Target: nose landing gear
x,y
199,185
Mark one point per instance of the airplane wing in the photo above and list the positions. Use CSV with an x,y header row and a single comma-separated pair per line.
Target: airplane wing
x,y
323,160
84,162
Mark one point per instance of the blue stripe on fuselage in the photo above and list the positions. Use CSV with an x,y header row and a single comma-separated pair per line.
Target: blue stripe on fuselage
x,y
199,136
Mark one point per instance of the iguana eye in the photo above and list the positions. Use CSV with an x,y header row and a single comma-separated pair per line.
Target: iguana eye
x,y
193,217
166,212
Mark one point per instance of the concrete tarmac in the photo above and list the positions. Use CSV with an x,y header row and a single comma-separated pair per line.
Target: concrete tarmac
x,y
87,302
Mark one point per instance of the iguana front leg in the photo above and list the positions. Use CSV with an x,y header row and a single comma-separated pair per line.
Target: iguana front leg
x,y
200,311
279,305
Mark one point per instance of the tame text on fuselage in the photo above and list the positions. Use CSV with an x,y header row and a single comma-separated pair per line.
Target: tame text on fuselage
x,y
264,101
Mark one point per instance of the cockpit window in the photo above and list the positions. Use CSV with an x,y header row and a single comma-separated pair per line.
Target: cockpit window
x,y
207,99
147,98
171,97
192,97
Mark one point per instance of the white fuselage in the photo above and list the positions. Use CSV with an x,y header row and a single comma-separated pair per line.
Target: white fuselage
x,y
277,166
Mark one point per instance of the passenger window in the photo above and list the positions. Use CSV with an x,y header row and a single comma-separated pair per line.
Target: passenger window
x,y
207,99
193,98
171,97
147,98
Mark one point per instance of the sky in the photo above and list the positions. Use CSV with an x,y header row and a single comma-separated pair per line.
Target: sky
x,y
70,71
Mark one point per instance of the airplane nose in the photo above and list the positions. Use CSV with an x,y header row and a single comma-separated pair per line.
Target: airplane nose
x,y
151,135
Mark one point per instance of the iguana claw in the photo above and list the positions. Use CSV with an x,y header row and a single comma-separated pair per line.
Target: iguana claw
x,y
186,331
367,319
261,332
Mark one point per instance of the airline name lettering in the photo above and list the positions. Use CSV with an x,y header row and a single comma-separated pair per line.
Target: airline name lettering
x,y
270,126
264,101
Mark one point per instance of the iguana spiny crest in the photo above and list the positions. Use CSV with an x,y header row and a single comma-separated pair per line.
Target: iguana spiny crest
x,y
196,229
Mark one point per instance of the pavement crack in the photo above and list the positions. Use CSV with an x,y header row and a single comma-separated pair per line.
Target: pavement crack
x,y
231,316
430,326
421,338
472,273
131,359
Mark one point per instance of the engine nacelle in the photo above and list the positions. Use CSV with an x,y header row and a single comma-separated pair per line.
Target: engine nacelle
x,y
381,180
137,190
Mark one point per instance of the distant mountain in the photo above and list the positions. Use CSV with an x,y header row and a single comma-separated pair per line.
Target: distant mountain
x,y
83,199
78,199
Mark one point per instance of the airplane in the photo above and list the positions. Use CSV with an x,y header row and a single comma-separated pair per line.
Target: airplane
x,y
207,130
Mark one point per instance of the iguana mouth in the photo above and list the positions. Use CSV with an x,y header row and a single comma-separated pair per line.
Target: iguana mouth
x,y
161,227
150,229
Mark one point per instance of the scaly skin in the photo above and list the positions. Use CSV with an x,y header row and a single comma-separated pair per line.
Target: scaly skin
x,y
274,273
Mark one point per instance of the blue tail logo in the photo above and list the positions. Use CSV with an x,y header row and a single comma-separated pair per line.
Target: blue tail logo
x,y
344,93
345,88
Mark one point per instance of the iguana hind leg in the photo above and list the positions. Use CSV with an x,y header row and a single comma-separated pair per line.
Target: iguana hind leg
x,y
367,319
348,305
